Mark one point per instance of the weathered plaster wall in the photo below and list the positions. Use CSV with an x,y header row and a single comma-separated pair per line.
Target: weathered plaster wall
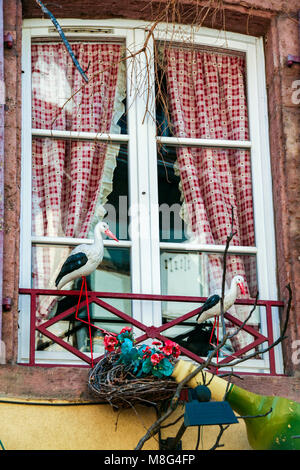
x,y
63,427
250,16
284,121
12,168
98,427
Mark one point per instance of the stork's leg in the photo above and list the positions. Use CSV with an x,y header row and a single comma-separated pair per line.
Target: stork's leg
x,y
217,371
212,332
89,322
77,310
84,285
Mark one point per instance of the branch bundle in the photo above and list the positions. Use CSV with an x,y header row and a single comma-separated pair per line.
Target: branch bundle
x,y
114,383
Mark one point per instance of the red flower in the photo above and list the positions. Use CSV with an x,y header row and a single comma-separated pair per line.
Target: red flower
x,y
168,347
126,328
171,348
156,343
147,352
110,342
155,358
176,350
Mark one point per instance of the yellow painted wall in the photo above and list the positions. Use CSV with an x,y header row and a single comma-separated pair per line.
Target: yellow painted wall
x,y
97,427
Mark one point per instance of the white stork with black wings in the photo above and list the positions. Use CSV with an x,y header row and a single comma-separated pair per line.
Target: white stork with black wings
x,y
84,259
212,306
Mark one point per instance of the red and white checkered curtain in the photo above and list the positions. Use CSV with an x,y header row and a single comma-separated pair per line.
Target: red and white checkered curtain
x,y
207,99
67,175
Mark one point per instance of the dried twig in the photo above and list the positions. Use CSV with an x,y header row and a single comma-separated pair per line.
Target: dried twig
x,y
173,422
221,432
228,240
255,416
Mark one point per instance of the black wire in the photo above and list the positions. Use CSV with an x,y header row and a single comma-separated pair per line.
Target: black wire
x,y
198,438
173,422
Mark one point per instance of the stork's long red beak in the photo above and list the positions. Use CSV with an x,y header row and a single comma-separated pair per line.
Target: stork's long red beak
x,y
242,288
111,235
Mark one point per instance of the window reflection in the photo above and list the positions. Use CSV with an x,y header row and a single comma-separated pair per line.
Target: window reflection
x,y
197,274
112,275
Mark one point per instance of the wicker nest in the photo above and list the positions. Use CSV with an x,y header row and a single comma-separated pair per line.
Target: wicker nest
x,y
114,383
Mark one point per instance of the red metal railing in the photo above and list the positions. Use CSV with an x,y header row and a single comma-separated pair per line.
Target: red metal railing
x,y
149,331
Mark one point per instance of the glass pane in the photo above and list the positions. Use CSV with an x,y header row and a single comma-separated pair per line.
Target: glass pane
x,y
201,93
62,100
117,204
198,187
112,275
200,275
171,224
74,183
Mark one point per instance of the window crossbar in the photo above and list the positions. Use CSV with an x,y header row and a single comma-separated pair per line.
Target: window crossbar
x,y
79,135
217,143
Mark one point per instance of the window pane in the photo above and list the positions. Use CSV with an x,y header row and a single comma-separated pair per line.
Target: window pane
x,y
202,338
201,94
197,189
200,275
62,100
112,275
172,227
117,204
74,183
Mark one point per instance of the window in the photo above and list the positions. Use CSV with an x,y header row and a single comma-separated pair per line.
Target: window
x,y
166,142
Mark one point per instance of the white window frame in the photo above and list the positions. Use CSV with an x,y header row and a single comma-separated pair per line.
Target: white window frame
x,y
142,149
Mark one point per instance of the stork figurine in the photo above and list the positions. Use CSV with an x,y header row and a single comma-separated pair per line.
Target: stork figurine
x,y
82,261
212,306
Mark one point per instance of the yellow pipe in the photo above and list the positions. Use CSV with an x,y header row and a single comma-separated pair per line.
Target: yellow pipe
x,y
217,385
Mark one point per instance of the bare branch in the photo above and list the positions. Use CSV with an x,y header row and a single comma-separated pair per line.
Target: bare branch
x,y
173,422
247,319
228,240
221,432
256,416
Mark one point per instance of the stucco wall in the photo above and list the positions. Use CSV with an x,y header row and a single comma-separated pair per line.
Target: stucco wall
x,y
98,427
82,427
284,121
